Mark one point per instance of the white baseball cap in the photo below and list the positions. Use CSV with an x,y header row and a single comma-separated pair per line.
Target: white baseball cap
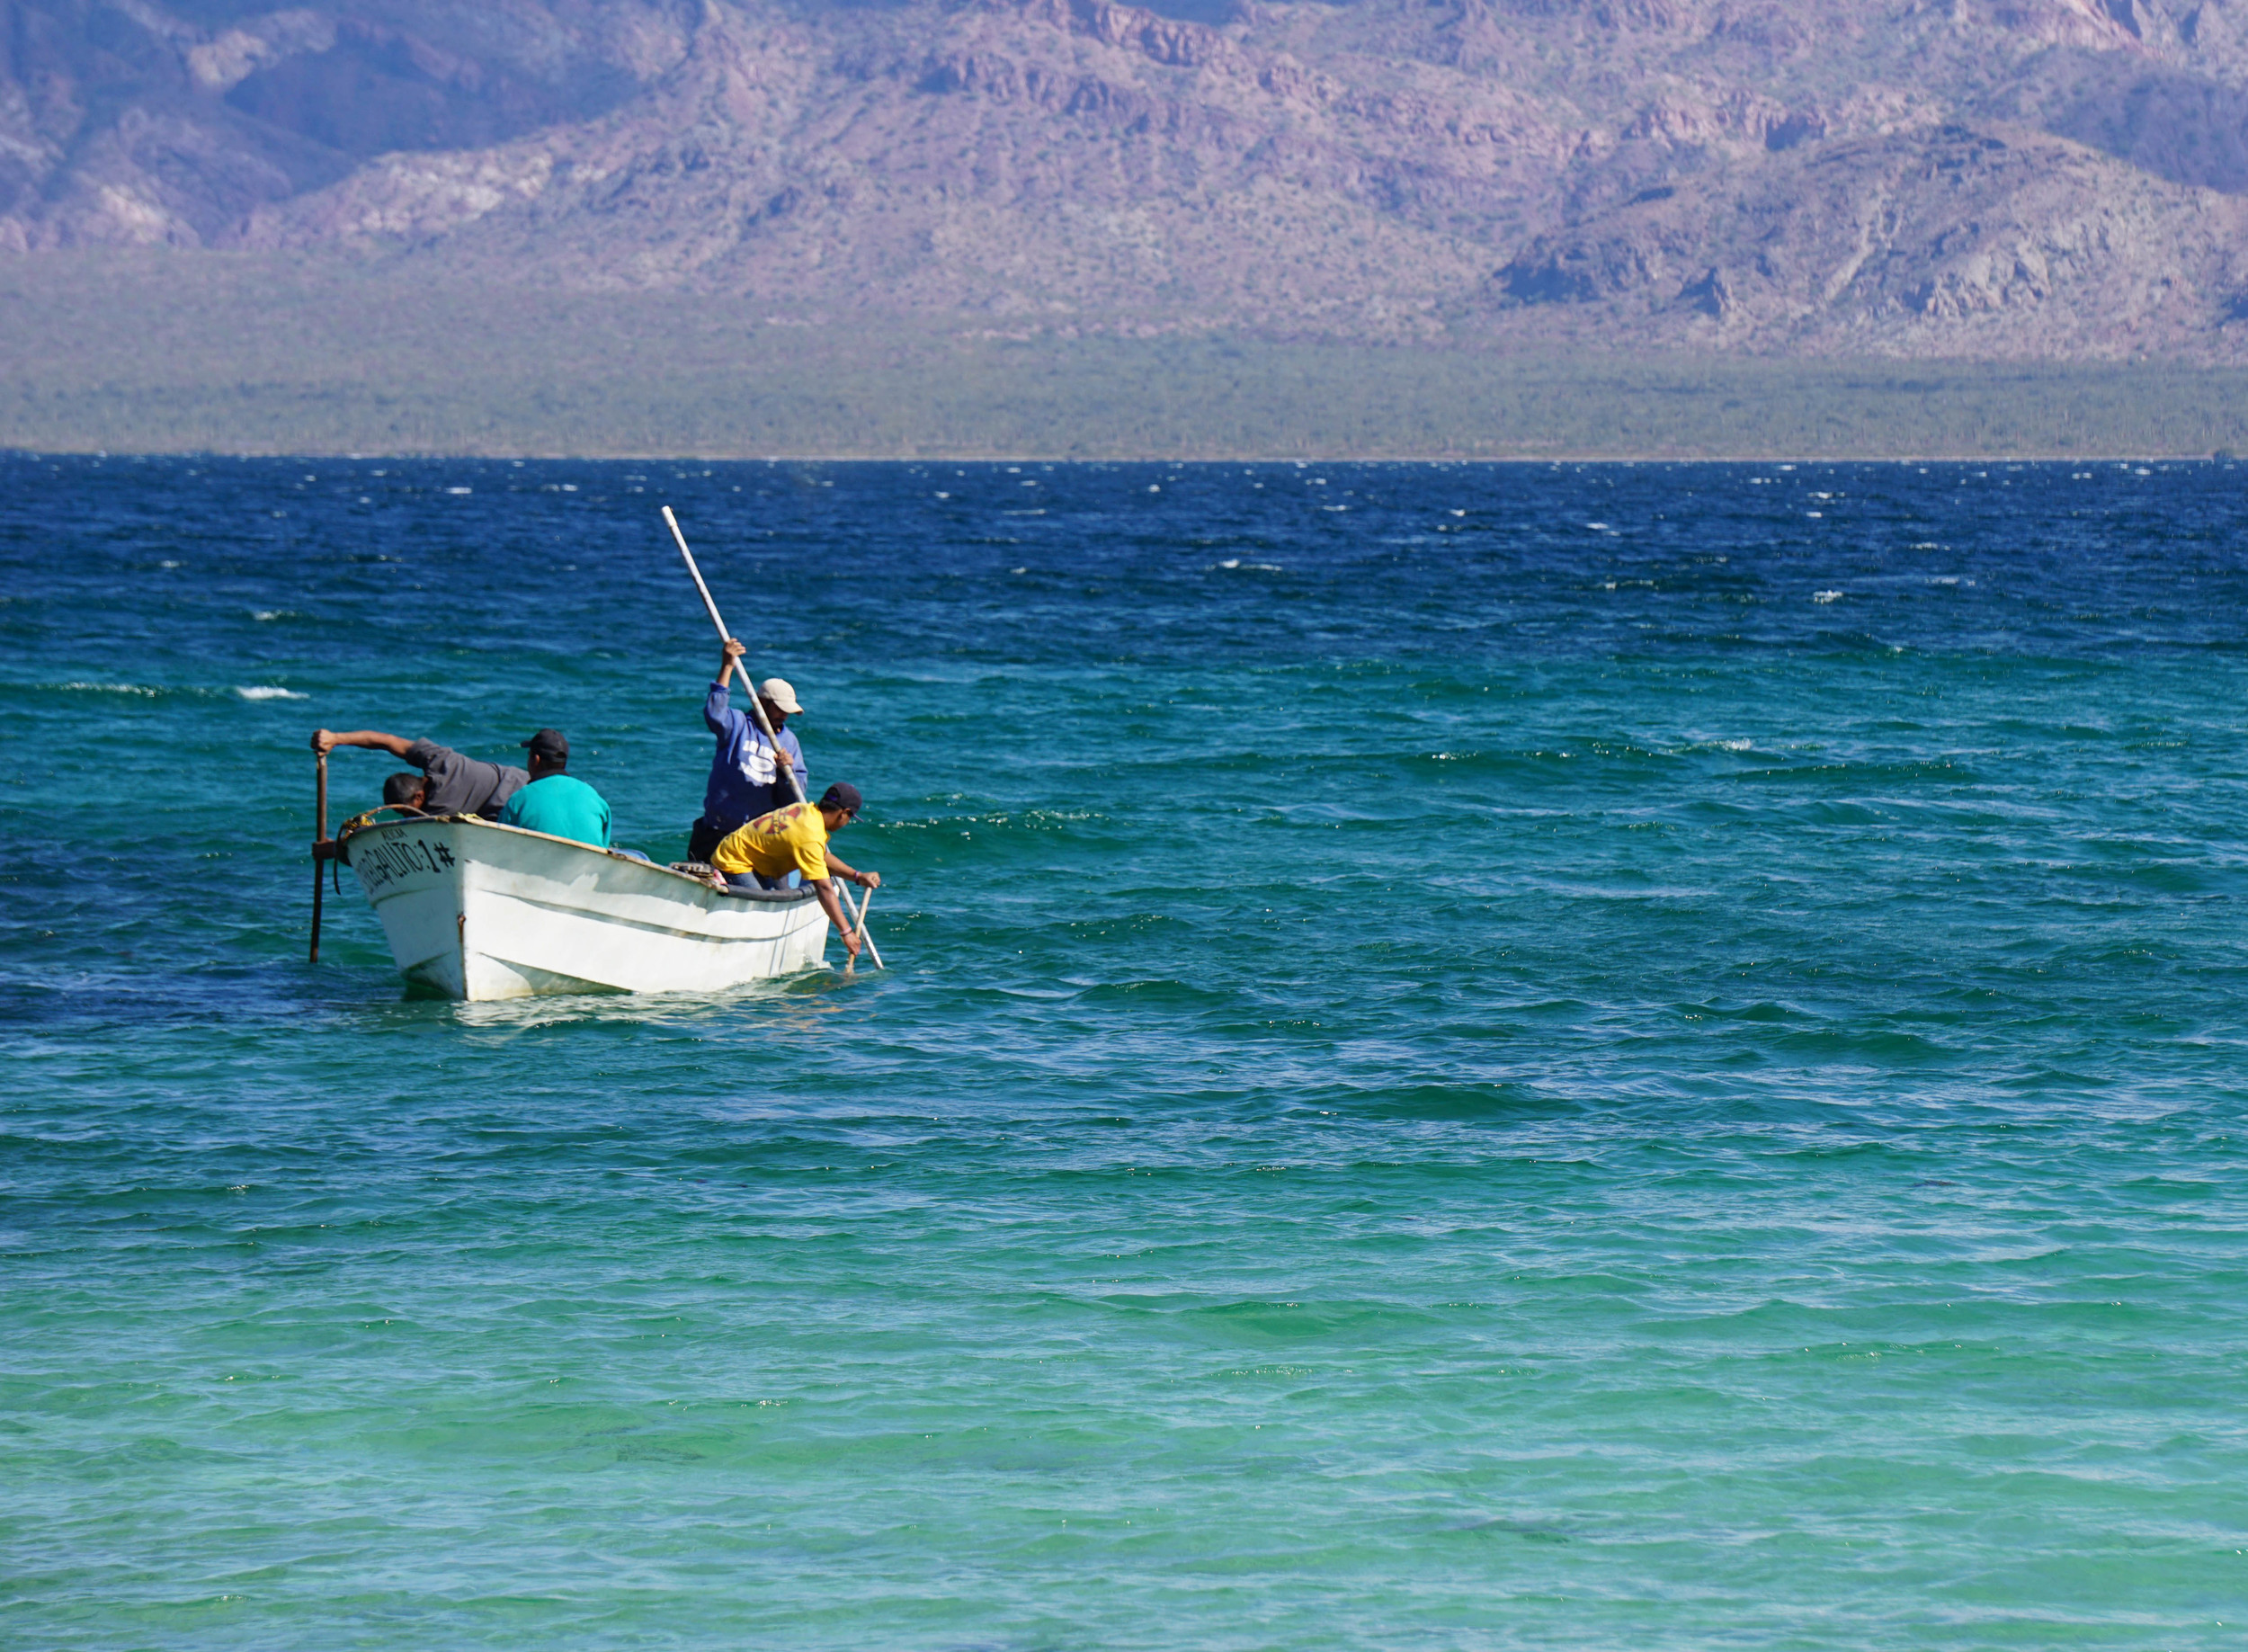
x,y
777,690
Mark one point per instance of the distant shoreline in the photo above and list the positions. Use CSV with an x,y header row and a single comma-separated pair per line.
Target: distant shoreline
x,y
205,354
326,456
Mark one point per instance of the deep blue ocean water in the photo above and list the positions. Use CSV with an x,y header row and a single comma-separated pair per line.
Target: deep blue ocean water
x,y
1474,1057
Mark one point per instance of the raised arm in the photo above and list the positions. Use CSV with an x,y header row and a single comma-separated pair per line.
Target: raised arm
x,y
716,714
325,740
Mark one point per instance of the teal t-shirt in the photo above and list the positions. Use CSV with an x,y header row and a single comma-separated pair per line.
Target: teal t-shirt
x,y
561,806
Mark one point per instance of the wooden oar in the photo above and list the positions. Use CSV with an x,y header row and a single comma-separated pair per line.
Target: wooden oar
x,y
850,964
319,872
779,756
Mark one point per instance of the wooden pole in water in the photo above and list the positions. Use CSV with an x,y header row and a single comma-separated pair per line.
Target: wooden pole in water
x,y
780,757
850,964
320,868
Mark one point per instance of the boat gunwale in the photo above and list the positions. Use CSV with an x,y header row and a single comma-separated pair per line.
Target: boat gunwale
x,y
772,897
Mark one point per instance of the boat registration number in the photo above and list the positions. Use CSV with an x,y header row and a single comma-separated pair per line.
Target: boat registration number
x,y
396,858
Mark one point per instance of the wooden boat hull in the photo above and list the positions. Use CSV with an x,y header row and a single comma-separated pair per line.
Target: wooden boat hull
x,y
478,911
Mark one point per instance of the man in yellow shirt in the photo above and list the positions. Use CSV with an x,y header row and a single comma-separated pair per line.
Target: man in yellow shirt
x,y
795,840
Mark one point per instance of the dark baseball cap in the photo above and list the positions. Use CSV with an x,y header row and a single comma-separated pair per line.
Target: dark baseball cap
x,y
842,795
549,743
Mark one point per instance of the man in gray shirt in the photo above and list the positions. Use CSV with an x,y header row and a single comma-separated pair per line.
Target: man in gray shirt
x,y
454,784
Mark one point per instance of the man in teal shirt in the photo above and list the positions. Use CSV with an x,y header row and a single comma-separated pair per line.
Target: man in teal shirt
x,y
554,803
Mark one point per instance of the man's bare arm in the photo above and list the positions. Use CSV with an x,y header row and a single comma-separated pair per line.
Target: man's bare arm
x,y
873,880
825,887
325,740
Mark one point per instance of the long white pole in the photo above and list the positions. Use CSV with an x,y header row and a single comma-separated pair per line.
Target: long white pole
x,y
864,938
779,756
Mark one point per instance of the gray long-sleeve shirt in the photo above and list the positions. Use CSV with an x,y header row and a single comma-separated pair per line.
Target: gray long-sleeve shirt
x,y
459,785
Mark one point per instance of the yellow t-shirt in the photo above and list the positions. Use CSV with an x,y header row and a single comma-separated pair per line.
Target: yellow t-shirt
x,y
790,839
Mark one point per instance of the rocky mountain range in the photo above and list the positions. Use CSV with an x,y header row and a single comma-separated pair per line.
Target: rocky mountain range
x,y
1997,178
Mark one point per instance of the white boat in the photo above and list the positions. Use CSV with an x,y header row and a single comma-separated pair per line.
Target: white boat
x,y
475,910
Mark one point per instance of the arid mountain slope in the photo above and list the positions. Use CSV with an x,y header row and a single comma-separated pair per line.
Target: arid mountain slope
x,y
2065,178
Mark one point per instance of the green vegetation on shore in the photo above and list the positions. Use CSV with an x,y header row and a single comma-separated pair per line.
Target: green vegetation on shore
x,y
157,352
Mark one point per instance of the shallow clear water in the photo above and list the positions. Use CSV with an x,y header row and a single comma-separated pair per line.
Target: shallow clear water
x,y
1474,1056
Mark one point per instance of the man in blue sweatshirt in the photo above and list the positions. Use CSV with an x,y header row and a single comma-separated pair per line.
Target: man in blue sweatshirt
x,y
746,779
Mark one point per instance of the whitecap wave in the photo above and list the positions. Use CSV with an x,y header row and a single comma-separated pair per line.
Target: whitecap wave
x,y
267,692
1826,596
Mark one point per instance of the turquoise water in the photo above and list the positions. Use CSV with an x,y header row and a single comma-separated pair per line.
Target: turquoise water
x,y
1474,1058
